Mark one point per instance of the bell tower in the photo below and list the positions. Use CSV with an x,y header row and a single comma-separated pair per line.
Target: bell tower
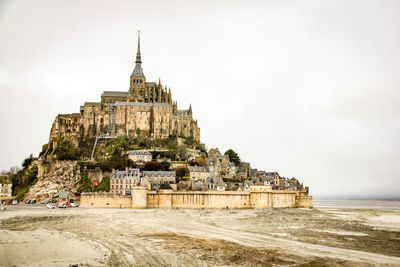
x,y
137,88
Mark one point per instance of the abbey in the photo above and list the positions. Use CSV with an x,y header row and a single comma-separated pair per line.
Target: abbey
x,y
146,109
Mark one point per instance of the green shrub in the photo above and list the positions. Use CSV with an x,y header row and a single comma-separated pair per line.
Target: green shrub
x,y
165,165
26,162
104,185
84,184
67,151
31,178
21,192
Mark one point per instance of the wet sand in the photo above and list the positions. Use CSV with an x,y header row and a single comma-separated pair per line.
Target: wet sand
x,y
327,236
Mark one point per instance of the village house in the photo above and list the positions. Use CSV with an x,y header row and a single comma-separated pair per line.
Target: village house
x,y
198,185
159,177
215,183
178,164
245,167
121,182
139,156
66,197
213,152
198,173
247,184
5,189
253,172
294,184
242,175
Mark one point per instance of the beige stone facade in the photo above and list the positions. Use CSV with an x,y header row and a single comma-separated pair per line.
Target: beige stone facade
x,y
146,109
159,177
139,156
122,182
258,197
5,190
199,173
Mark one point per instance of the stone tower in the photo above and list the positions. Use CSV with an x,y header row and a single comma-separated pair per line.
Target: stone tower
x,y
137,88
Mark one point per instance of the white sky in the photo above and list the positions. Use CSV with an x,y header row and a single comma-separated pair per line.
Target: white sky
x,y
306,88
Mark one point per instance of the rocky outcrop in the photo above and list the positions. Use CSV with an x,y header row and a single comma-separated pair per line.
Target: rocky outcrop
x,y
53,178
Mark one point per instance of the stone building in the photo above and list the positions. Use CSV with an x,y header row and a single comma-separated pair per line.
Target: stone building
x,y
146,109
122,182
139,156
198,173
159,177
5,189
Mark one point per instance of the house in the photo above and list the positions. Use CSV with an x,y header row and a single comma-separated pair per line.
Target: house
x,y
219,184
121,182
66,197
245,167
192,153
178,164
247,184
5,189
253,172
198,173
294,184
214,152
265,180
139,156
241,175
198,185
215,183
160,177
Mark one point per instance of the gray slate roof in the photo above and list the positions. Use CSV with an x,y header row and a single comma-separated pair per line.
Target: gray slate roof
x,y
137,71
142,104
159,173
139,152
124,174
151,84
63,195
215,180
197,169
114,93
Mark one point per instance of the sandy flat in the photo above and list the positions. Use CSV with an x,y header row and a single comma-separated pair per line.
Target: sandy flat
x,y
33,235
48,248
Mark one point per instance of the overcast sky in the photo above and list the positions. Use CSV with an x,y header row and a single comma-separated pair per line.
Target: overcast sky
x,y
310,89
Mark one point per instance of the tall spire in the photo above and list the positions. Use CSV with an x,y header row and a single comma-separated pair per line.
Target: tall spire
x,y
138,71
138,56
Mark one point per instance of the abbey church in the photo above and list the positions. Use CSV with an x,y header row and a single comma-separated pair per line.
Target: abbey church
x,y
146,109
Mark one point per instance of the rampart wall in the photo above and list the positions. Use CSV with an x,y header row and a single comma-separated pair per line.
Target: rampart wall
x,y
256,198
105,200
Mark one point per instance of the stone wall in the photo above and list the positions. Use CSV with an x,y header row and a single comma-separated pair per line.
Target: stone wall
x,y
105,200
258,198
304,202
284,199
170,199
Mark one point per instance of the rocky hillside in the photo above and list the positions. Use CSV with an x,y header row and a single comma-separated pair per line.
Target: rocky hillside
x,y
53,178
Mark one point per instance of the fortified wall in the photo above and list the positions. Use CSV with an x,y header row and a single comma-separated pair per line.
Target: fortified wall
x,y
258,197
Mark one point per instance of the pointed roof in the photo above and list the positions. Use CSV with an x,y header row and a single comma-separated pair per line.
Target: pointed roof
x,y
138,71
